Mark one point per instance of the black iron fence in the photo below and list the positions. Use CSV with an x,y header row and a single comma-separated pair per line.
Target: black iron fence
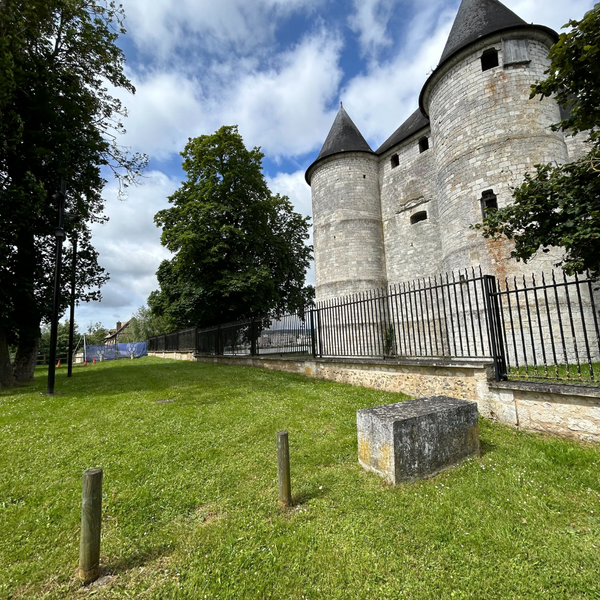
x,y
437,317
540,328
548,327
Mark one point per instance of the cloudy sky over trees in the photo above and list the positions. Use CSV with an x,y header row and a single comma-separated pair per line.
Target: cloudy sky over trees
x,y
276,68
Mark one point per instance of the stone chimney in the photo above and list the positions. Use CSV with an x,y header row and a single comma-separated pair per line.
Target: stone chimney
x,y
118,325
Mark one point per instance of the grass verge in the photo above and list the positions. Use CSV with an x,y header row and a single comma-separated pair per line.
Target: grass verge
x,y
576,374
190,495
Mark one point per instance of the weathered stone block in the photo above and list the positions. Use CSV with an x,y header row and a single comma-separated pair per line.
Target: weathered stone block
x,y
417,438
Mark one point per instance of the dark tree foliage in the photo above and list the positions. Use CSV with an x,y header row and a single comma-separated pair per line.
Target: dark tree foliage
x,y
62,340
95,334
559,205
240,250
57,121
143,325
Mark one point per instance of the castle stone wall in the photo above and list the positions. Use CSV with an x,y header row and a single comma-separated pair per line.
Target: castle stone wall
x,y
413,250
487,134
348,235
577,145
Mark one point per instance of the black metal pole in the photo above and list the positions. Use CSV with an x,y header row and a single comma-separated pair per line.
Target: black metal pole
x,y
72,311
60,234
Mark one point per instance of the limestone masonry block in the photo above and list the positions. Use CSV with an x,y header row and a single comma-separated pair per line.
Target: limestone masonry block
x,y
417,438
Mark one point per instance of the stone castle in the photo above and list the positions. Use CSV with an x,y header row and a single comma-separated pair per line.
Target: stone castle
x,y
404,211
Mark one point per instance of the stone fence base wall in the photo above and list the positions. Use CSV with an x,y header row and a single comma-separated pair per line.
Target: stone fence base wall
x,y
557,408
176,355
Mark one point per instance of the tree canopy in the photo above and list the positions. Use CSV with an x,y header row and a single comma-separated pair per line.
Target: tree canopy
x,y
57,121
559,205
240,251
143,325
62,340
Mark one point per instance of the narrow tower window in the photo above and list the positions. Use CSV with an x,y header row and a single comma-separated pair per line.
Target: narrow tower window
x,y
489,59
489,201
515,52
418,217
395,161
423,144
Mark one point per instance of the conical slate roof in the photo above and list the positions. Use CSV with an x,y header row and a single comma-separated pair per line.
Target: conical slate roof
x,y
344,136
475,19
414,123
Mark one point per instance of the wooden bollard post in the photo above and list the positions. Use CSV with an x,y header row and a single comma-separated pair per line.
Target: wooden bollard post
x,y
91,517
283,469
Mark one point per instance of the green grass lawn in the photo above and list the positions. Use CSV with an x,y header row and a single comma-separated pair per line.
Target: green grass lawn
x,y
573,374
190,495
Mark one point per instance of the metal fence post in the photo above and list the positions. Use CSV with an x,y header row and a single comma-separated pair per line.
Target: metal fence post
x,y
494,327
253,336
312,333
319,340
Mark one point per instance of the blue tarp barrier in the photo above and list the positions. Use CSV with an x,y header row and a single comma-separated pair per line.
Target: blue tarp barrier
x,y
112,351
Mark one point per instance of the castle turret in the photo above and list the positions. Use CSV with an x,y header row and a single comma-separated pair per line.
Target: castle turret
x,y
348,238
487,132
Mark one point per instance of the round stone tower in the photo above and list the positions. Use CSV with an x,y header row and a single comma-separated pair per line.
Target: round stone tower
x,y
347,226
487,132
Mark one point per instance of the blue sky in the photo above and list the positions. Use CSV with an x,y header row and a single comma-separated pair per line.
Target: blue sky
x,y
277,69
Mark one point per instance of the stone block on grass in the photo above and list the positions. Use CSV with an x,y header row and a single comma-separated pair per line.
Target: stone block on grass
x,y
416,439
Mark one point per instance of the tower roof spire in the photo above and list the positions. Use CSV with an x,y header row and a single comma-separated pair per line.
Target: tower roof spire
x,y
343,136
475,19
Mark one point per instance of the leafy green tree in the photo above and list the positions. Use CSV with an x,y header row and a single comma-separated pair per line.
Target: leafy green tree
x,y
57,121
240,250
143,325
95,334
62,341
559,205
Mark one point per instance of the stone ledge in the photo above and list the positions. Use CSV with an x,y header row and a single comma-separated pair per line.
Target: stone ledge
x,y
470,363
543,387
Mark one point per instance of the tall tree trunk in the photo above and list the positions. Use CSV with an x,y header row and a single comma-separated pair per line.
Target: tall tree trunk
x,y
6,372
26,309
27,351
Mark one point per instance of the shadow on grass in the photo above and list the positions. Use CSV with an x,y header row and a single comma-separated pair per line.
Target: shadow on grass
x,y
485,447
98,379
138,559
305,495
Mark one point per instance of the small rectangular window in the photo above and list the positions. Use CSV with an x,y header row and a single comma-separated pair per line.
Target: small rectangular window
x,y
489,59
515,52
423,144
395,161
489,201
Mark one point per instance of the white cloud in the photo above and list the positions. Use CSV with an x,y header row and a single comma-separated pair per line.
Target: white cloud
x,y
370,21
161,26
382,98
162,113
552,14
129,249
282,108
294,186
